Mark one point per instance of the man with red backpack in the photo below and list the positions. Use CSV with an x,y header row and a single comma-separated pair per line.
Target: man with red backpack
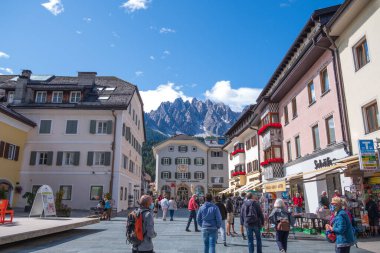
x,y
140,226
252,218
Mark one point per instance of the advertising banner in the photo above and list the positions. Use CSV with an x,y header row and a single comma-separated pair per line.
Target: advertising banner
x,y
43,204
367,155
275,187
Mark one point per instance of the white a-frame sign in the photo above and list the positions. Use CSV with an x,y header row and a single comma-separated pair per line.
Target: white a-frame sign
x,y
43,204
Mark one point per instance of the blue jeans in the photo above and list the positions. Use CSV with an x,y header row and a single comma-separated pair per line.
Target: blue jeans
x,y
209,239
251,246
222,230
171,212
298,209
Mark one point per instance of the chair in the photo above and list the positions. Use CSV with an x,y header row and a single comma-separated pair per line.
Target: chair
x,y
4,211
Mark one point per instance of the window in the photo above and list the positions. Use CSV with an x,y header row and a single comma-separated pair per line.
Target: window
x,y
166,161
217,180
11,96
121,193
216,153
96,192
371,118
182,160
217,166
182,175
11,154
198,175
240,167
315,132
294,107
272,152
66,191
100,158
68,158
194,149
125,193
182,148
298,146
199,161
325,83
311,92
165,175
361,55
57,97
220,166
71,126
102,127
248,144
254,141
125,161
255,165
45,127
42,158
249,167
330,129
289,150
286,116
75,96
131,166
40,97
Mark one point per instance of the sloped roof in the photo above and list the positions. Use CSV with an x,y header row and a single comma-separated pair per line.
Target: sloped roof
x,y
9,112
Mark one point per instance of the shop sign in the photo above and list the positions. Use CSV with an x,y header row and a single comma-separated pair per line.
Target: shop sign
x,y
367,155
43,202
275,187
323,163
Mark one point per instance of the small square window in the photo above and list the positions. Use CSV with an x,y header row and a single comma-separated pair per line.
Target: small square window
x,y
96,193
194,149
10,96
66,191
42,158
71,126
182,149
75,96
311,92
102,127
57,97
68,158
171,148
100,158
361,54
40,97
371,118
45,127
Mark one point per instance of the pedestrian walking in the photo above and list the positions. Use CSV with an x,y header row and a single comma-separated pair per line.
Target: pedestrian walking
x,y
155,209
192,207
324,201
164,206
282,220
297,203
210,220
373,215
244,198
252,218
341,226
230,215
172,207
148,233
107,209
223,213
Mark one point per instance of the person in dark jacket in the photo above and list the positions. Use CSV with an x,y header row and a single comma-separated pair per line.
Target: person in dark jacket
x,y
244,198
252,218
324,202
210,220
223,213
373,215
230,215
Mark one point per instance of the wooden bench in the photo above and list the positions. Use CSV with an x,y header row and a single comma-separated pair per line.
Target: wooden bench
x,y
4,211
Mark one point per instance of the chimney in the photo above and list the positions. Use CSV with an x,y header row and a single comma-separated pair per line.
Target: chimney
x,y
22,81
86,78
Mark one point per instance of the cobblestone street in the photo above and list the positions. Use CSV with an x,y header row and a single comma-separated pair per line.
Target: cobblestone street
x,y
109,236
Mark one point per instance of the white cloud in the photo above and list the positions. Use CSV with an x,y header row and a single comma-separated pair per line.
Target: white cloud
x,y
152,57
8,70
87,20
115,34
237,99
135,5
78,32
166,52
112,45
163,93
4,55
54,6
139,73
167,30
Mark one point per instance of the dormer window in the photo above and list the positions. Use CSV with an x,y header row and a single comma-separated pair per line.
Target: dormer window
x,y
57,97
40,97
75,97
10,97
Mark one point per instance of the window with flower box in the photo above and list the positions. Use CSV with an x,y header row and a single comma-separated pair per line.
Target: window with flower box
x,y
272,155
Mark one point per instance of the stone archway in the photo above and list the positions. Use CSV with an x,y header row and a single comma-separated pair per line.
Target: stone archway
x,y
6,190
183,193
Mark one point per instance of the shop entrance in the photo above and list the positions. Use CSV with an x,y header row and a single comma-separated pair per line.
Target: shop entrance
x,y
333,183
183,193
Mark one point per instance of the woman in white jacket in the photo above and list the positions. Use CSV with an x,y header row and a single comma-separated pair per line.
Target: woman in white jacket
x,y
172,207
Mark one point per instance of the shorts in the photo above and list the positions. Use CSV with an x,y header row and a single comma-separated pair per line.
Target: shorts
x,y
230,218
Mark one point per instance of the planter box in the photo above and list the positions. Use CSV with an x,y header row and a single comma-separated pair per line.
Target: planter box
x,y
27,209
63,213
310,231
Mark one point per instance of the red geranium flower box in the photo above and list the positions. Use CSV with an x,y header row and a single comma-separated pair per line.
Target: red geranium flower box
x,y
238,151
271,160
238,173
265,127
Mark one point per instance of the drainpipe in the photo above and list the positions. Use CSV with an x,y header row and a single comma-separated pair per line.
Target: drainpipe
x,y
340,92
113,153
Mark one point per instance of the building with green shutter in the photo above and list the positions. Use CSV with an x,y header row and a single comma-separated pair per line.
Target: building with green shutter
x,y
88,139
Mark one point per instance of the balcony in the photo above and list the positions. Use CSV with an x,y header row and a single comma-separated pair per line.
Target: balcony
x,y
273,171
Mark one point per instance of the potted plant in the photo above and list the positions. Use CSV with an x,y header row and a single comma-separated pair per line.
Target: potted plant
x,y
62,210
18,188
29,200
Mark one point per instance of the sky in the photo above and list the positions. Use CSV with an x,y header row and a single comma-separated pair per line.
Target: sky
x,y
222,50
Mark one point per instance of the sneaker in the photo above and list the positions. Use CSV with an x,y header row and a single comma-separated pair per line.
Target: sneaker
x,y
197,230
225,244
244,237
282,251
188,230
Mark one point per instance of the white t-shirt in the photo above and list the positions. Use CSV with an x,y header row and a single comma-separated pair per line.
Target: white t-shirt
x,y
164,203
172,205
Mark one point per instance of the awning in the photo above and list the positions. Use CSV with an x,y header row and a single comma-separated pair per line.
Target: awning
x,y
228,189
249,186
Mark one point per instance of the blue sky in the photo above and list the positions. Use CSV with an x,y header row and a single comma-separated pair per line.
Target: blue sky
x,y
224,50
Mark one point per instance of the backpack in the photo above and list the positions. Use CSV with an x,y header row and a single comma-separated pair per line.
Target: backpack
x,y
134,231
283,224
250,214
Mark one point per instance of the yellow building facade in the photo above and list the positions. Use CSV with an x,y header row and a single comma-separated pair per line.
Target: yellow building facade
x,y
14,130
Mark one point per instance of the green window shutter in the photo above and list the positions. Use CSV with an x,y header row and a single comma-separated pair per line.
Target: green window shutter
x,y
170,175
90,158
162,161
6,150
123,129
33,156
170,161
107,159
2,144
203,161
109,127
49,158
189,175
17,152
76,158
162,175
59,158
203,175
176,161
176,175
93,127
188,161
